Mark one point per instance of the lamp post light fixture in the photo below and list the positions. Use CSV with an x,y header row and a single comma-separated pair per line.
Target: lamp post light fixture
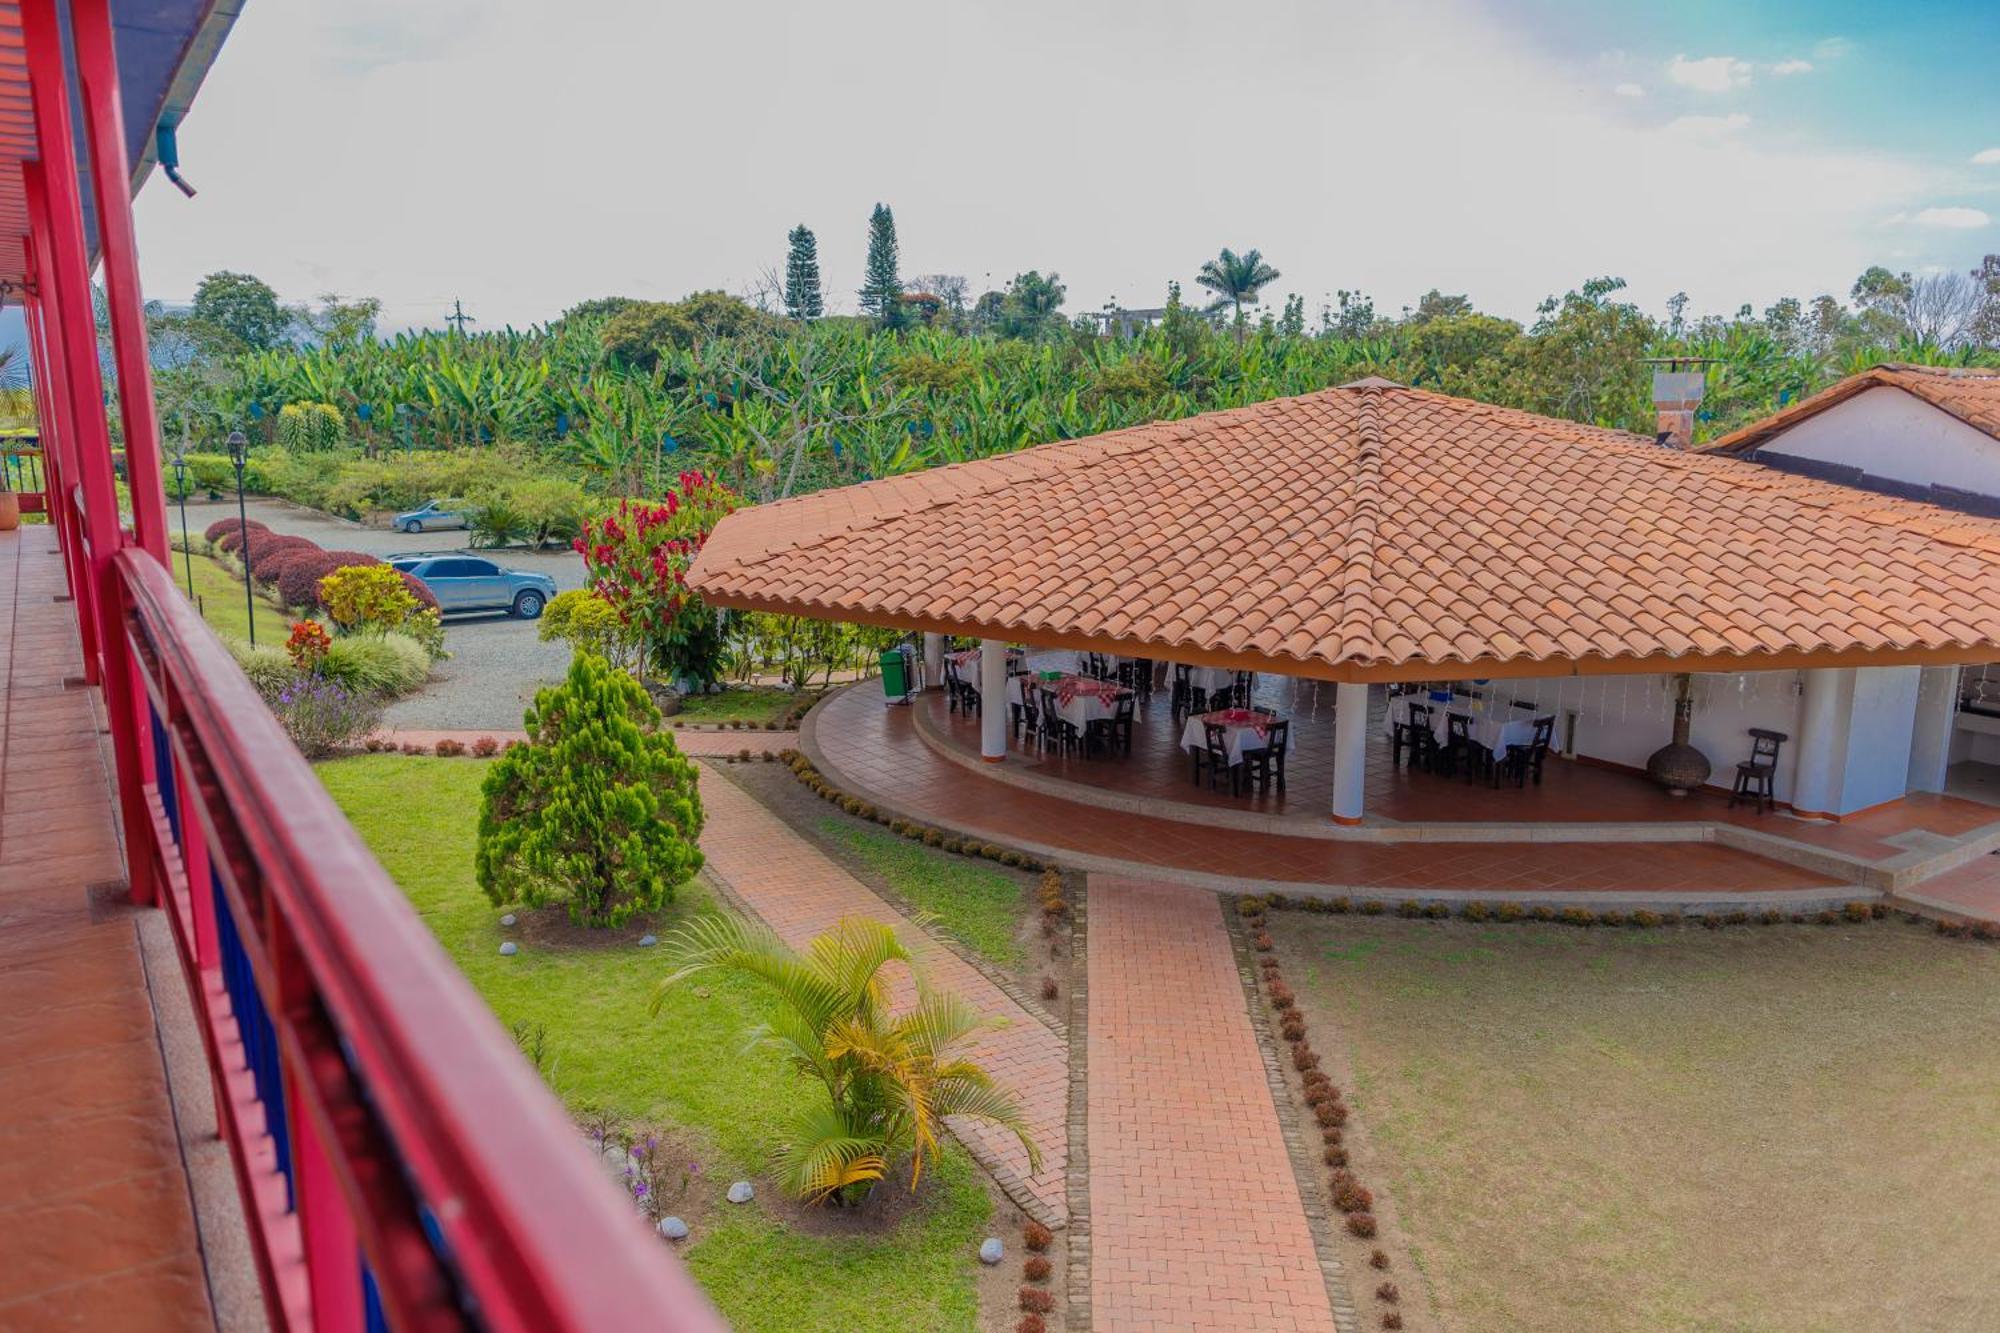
x,y
187,544
239,454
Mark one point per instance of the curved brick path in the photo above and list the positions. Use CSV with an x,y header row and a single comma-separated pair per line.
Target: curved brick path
x,y
800,893
1195,1215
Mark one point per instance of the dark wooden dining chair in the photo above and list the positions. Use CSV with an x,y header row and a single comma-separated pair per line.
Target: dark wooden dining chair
x,y
1756,777
1058,732
1118,727
1460,748
1027,718
1525,761
1414,733
1262,767
1214,756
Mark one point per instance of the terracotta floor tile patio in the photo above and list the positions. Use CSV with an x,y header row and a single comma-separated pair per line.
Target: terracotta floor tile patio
x,y
876,748
96,1227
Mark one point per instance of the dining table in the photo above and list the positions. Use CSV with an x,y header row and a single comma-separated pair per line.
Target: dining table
x,y
1243,730
1080,700
1495,722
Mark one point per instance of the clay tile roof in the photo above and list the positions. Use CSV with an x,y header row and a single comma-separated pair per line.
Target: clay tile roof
x,y
1380,532
1971,395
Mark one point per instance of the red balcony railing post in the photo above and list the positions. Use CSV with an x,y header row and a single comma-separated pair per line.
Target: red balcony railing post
x,y
52,407
110,180
64,270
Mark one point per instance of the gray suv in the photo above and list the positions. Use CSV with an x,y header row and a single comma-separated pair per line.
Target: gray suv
x,y
473,583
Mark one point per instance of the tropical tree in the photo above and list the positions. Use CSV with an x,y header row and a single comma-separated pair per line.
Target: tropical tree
x,y
881,286
802,295
1032,305
890,1080
599,810
243,306
1237,278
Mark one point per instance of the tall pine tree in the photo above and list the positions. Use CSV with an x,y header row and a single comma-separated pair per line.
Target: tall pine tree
x,y
881,288
802,295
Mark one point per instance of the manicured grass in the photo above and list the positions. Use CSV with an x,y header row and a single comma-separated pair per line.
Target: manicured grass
x,y
687,1067
975,904
758,704
219,594
1789,1127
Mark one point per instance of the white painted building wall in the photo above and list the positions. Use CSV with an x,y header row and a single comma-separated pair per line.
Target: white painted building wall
x,y
1893,434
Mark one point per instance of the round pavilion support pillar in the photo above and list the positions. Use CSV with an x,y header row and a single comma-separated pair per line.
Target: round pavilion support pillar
x,y
1814,790
1350,751
933,661
992,700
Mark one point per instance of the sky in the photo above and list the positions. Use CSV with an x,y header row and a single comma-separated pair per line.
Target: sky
x,y
521,156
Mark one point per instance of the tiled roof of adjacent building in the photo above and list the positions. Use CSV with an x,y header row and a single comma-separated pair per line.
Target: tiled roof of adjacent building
x,y
1378,532
1973,396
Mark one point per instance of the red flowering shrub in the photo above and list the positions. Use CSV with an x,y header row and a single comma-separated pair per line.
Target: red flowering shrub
x,y
638,558
308,645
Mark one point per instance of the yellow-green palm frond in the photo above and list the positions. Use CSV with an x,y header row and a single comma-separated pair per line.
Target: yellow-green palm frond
x,y
829,1151
851,957
982,1101
720,942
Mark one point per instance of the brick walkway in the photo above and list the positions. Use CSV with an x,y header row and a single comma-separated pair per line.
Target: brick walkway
x,y
800,893
876,750
1195,1214
96,1228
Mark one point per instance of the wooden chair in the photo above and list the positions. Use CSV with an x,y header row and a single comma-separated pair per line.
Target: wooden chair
x,y
1021,706
1756,777
1524,762
1214,756
1114,732
1260,767
1459,747
1058,732
1414,731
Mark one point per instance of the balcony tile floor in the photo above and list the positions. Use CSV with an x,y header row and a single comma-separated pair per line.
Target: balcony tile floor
x,y
95,1220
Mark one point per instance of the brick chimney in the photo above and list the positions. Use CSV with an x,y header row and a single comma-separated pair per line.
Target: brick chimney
x,y
1676,398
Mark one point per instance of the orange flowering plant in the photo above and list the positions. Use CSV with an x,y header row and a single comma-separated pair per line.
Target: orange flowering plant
x,y
308,645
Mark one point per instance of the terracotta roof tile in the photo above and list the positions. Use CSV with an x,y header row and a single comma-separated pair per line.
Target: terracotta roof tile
x,y
1376,531
1971,395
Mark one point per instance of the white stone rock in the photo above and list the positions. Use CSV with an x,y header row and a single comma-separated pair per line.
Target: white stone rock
x,y
991,1251
508,919
673,1228
648,941
742,1192
509,949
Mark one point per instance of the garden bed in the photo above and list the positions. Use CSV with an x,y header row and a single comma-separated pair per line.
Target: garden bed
x,y
1785,1126
684,1075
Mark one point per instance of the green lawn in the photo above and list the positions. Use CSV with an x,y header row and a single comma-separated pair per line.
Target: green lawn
x,y
1775,1128
974,903
758,704
219,594
687,1068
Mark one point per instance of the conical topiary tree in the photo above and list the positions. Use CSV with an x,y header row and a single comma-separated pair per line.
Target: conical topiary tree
x,y
599,809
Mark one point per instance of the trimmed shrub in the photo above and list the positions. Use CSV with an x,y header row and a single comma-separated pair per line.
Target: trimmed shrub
x,y
1037,1237
1329,1134
1361,1225
1036,1301
1335,1156
1388,1294
1645,920
1282,997
1031,1323
1857,912
267,554
1409,908
1262,942
485,747
389,664
449,748
1049,989
1373,907
1509,912
1304,1057
222,527
1611,919
1392,1320
1542,912
1475,911
1353,1197
1036,1269
298,581
1378,1259
1330,1114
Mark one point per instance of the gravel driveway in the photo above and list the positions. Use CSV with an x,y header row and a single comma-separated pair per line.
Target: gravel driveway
x,y
497,662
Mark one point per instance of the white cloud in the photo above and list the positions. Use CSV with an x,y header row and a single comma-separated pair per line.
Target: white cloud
x,y
1711,74
1986,157
1629,90
1709,127
420,200
1785,67
1832,48
1956,219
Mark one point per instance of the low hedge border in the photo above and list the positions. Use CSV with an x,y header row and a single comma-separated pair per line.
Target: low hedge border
x,y
1506,913
916,830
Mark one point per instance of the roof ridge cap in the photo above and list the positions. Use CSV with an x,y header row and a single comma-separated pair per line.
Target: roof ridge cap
x,y
1357,552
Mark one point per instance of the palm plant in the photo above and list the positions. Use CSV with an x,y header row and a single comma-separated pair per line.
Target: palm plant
x,y
1237,278
890,1080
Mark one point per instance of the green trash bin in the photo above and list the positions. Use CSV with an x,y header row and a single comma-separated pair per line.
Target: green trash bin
x,y
895,675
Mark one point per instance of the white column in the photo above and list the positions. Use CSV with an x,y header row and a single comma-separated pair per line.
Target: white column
x,y
1930,739
1815,783
934,661
992,700
1350,751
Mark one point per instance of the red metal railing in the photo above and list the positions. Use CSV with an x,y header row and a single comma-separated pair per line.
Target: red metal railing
x,y
401,1164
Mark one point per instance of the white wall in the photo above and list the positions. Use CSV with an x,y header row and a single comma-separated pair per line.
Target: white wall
x,y
1897,435
1881,724
1623,719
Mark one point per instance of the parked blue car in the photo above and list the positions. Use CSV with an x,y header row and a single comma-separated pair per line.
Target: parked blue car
x,y
472,583
432,517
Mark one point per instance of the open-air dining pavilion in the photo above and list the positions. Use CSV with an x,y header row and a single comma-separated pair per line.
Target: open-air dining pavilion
x,y
1450,612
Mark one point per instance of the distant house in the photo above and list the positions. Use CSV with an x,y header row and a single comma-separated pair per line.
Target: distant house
x,y
1920,432
1122,323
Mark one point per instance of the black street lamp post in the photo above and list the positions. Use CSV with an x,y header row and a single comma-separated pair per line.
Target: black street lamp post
x,y
187,543
239,451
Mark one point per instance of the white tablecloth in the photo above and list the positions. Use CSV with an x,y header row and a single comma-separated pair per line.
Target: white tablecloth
x,y
1080,711
1496,723
1238,739
1211,678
